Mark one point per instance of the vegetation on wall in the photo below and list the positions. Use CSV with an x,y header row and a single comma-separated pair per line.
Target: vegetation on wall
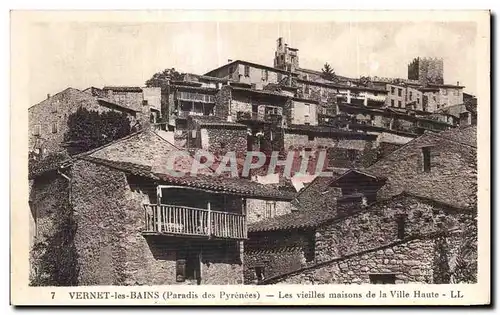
x,y
53,256
442,271
465,270
90,129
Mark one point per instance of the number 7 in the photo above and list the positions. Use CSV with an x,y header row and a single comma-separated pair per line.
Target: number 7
x,y
53,294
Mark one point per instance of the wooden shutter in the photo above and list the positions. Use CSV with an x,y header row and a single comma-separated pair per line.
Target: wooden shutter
x,y
180,270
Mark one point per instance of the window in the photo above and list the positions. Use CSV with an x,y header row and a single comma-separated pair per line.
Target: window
x,y
426,153
37,130
55,105
310,249
265,75
389,278
392,102
259,273
445,92
401,223
393,90
270,209
411,96
230,71
399,103
310,138
418,100
54,127
306,90
307,109
188,267
247,71
400,91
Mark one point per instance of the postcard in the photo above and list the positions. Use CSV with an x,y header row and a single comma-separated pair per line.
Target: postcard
x,y
250,158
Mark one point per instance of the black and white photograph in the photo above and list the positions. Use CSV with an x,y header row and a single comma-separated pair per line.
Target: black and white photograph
x,y
254,153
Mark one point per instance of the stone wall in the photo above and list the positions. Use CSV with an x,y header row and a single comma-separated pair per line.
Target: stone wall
x,y
256,209
111,248
372,241
298,141
221,140
410,262
48,197
452,177
379,226
277,253
129,99
257,75
449,96
49,208
223,102
54,111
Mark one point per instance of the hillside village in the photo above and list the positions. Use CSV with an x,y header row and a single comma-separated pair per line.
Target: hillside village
x,y
399,207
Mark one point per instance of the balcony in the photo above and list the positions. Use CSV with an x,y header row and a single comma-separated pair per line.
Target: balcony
x,y
193,222
258,117
195,97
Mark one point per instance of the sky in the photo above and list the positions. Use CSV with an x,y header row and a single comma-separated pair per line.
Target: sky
x,y
82,54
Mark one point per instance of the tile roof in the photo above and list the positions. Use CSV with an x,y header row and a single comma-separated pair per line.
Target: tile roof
x,y
115,104
235,186
465,135
322,213
129,155
123,88
316,205
261,92
248,63
213,121
327,129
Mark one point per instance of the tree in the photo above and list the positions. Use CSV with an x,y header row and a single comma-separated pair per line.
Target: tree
x,y
90,129
465,270
160,79
365,81
328,72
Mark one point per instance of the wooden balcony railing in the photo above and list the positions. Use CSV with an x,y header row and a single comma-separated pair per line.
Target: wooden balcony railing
x,y
171,219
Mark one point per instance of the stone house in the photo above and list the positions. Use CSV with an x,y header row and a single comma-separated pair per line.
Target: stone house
x,y
189,99
406,122
449,94
398,240
47,120
145,100
388,224
216,135
131,221
461,114
441,166
251,73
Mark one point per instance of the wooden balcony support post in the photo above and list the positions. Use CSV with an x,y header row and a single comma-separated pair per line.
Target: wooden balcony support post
x,y
158,209
209,220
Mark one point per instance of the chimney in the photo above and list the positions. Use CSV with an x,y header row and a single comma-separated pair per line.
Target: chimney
x,y
229,60
458,83
48,96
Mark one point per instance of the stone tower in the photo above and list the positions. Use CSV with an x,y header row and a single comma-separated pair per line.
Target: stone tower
x,y
286,58
426,70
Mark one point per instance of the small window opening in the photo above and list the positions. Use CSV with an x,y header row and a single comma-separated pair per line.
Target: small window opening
x,y
389,278
426,153
259,273
401,222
